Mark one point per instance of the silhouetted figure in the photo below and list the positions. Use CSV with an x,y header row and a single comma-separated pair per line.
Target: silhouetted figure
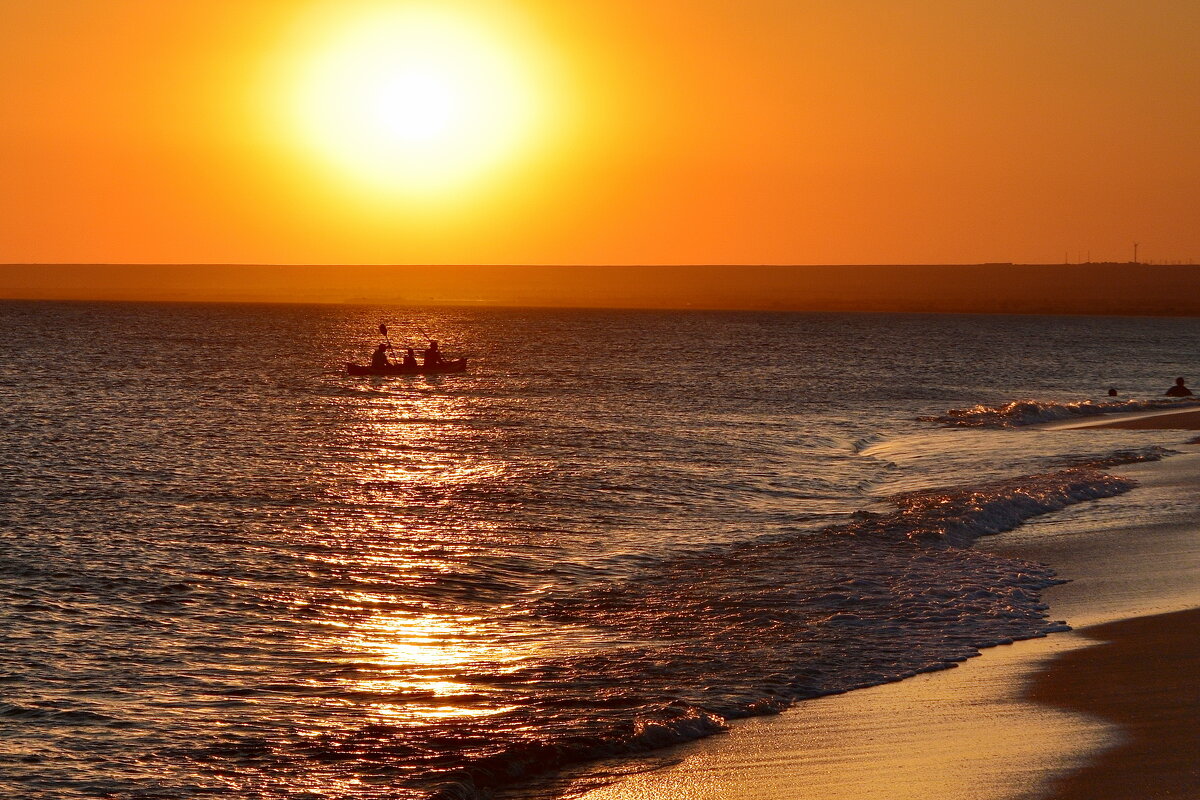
x,y
1112,392
410,358
1179,390
433,356
379,359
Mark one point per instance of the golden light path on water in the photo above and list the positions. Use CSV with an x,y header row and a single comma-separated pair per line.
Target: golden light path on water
x,y
406,657
420,653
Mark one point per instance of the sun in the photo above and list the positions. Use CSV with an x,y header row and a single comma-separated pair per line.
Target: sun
x,y
412,98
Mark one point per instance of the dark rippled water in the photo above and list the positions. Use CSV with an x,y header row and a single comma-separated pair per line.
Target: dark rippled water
x,y
229,570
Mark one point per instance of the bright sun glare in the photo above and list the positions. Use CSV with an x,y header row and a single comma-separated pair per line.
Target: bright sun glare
x,y
413,99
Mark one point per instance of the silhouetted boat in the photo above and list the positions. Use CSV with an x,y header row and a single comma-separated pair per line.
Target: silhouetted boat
x,y
456,365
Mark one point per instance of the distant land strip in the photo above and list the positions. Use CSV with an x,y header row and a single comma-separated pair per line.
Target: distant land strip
x,y
1096,288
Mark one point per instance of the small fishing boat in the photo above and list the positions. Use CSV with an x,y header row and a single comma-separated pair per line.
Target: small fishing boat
x,y
456,365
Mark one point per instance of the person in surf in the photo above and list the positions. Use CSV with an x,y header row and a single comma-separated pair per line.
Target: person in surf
x,y
433,356
1179,390
379,358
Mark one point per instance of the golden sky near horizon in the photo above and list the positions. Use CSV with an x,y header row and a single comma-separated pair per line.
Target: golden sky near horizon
x,y
598,131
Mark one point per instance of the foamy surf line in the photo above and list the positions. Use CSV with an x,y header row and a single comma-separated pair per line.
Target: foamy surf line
x,y
823,754
752,629
1020,413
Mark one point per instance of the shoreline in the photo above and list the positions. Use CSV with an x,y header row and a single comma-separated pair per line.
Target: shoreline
x,y
1170,420
893,741
1144,676
993,717
1186,417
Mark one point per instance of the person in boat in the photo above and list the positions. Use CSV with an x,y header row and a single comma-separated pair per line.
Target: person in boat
x,y
410,359
379,358
1179,390
433,356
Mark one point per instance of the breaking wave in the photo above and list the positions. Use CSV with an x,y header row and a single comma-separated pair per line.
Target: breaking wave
x,y
1032,412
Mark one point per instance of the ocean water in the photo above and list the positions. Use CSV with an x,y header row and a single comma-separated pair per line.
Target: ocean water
x,y
229,570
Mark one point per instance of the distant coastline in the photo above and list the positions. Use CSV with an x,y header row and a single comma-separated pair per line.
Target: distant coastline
x,y
1088,288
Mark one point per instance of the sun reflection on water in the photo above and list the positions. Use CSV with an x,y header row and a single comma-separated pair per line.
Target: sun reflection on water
x,y
419,660
403,631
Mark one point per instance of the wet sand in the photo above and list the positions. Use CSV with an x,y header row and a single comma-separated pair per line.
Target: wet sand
x,y
1162,421
1106,712
965,734
1146,678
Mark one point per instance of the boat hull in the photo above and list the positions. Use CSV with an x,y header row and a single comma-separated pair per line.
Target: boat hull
x,y
457,365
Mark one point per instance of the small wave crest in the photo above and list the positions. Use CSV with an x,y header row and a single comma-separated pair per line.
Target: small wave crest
x,y
960,516
1031,412
36,712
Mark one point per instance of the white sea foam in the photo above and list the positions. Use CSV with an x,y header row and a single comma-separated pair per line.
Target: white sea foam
x,y
960,516
1031,412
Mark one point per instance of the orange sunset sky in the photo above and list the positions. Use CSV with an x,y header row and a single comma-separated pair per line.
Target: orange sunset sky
x,y
598,131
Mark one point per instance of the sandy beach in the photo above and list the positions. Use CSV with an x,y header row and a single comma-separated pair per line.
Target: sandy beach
x,y
1145,678
1106,711
1183,420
